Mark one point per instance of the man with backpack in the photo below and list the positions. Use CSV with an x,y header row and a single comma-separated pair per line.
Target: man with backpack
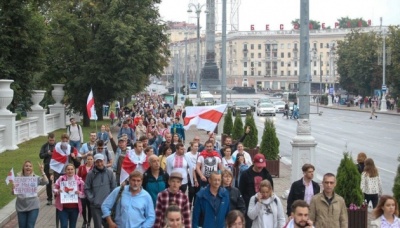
x,y
88,148
125,129
74,132
101,148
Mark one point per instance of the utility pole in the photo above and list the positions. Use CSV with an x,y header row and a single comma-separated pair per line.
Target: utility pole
x,y
223,54
303,144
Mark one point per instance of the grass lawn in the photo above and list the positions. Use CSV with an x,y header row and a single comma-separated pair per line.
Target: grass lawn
x,y
30,151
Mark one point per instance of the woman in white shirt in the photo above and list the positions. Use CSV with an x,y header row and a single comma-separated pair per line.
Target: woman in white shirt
x,y
265,208
240,150
227,160
371,185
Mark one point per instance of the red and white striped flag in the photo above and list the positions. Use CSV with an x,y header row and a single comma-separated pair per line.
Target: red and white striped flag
x,y
204,117
10,176
129,164
91,111
59,158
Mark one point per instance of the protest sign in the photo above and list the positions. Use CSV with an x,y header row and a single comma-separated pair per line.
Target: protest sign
x,y
68,192
25,185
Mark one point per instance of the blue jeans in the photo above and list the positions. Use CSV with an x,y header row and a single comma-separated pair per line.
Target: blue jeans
x,y
68,215
27,219
76,144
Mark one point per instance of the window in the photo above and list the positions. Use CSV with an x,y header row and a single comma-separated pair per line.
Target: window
x,y
327,72
321,45
315,72
295,73
245,73
315,45
295,46
315,63
259,64
252,55
282,55
288,55
288,46
282,46
288,64
245,46
252,46
268,47
281,72
259,73
282,64
259,55
295,63
322,63
245,64
244,55
259,47
252,64
252,73
288,73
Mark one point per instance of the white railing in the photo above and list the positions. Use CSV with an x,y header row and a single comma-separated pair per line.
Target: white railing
x,y
26,129
2,134
52,121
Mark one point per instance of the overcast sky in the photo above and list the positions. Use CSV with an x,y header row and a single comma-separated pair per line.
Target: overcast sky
x,y
274,12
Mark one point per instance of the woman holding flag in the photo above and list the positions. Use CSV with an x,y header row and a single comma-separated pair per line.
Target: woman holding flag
x,y
27,204
68,191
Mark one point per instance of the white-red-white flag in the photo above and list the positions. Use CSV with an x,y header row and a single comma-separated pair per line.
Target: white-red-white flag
x,y
129,164
10,176
91,111
204,117
59,158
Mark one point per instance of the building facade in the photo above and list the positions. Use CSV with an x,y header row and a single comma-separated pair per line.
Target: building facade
x,y
266,60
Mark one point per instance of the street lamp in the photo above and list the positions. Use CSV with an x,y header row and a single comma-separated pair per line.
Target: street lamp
x,y
314,51
383,101
197,7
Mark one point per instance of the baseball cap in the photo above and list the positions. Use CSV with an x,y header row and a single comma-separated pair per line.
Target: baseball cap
x,y
259,161
98,157
176,175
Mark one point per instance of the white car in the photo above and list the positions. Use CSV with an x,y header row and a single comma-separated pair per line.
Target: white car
x,y
279,106
265,109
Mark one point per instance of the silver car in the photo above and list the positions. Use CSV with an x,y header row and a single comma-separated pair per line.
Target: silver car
x,y
266,109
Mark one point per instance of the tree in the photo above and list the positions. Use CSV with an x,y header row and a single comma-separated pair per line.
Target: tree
x,y
251,139
315,24
358,63
109,46
237,131
393,69
22,43
270,142
344,22
348,181
396,185
228,123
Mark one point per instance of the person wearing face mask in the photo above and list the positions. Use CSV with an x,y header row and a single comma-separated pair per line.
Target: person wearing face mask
x,y
140,215
27,205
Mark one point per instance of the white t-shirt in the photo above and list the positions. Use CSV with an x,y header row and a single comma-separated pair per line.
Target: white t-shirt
x,y
178,164
247,157
228,163
192,160
208,165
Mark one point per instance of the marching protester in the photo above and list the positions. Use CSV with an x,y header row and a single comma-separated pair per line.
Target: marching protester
x,y
45,153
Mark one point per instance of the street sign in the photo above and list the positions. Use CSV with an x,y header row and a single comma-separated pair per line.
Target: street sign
x,y
384,88
193,85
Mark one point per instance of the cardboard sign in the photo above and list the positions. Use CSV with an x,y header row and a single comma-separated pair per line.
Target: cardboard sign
x,y
25,185
68,192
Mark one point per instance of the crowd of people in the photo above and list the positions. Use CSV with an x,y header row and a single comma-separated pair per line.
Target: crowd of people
x,y
150,179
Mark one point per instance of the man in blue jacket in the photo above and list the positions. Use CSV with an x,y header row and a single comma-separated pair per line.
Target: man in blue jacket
x,y
211,204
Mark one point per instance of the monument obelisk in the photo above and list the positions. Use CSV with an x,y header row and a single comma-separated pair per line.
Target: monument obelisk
x,y
210,74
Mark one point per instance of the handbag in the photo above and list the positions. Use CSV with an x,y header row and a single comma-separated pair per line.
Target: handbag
x,y
114,207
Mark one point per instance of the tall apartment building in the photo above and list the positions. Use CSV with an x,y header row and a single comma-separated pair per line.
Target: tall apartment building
x,y
266,59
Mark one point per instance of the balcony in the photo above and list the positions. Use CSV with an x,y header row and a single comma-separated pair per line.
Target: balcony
x,y
245,50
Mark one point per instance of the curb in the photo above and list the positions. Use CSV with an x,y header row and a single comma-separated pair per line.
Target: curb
x,y
8,212
357,110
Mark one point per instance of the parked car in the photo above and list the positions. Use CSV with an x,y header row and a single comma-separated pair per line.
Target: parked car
x,y
266,109
279,106
252,105
240,106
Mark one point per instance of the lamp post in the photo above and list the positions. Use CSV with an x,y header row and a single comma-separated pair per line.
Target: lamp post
x,y
197,7
383,101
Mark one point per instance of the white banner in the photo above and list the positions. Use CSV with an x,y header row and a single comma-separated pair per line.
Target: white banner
x,y
68,192
25,185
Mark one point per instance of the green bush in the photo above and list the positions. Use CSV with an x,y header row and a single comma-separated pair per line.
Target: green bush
x,y
188,102
324,100
270,142
396,185
251,139
228,123
237,131
348,181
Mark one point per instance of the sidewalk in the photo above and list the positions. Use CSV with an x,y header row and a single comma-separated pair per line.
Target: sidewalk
x,y
357,109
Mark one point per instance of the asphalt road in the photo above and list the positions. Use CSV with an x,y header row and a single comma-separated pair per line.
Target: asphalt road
x,y
376,137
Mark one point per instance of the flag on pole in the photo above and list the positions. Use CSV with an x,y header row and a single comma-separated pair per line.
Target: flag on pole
x,y
204,117
91,111
10,176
